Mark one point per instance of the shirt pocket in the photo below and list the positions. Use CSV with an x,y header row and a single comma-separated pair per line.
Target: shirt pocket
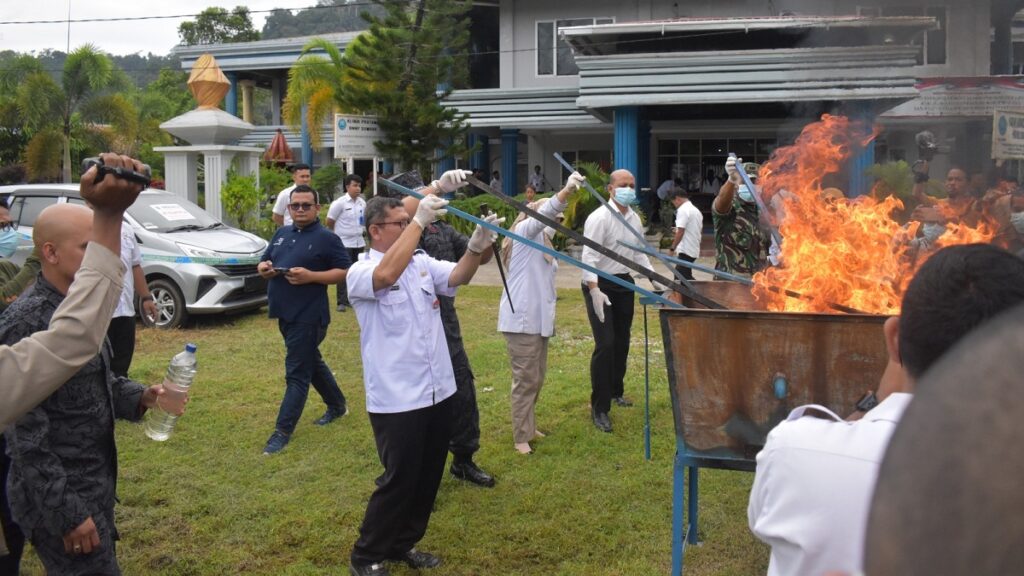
x,y
395,312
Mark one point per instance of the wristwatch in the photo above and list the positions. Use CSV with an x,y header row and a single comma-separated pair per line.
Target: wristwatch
x,y
868,402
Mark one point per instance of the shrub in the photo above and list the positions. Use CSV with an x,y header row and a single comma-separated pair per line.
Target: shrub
x,y
240,198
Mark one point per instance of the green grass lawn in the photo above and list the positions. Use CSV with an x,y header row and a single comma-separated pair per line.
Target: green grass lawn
x,y
209,502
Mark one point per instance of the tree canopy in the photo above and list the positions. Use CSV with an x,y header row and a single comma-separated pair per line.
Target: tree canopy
x,y
326,17
218,26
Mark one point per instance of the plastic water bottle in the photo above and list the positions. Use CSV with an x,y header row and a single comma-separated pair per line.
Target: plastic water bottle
x,y
180,372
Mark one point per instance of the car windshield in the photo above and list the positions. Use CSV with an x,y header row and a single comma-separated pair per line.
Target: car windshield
x,y
167,213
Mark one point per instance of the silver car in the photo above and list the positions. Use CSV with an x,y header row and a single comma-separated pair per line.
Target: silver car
x,y
194,264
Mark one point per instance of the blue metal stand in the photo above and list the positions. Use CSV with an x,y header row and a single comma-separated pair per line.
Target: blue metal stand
x,y
680,536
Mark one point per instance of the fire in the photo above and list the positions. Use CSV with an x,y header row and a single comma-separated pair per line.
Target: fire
x,y
840,251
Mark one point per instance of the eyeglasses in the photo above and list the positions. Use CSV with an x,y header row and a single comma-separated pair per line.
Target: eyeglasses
x,y
6,225
400,223
301,206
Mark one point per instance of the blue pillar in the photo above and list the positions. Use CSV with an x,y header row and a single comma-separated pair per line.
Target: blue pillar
x,y
643,174
307,149
389,166
627,130
444,163
231,100
509,161
862,160
481,158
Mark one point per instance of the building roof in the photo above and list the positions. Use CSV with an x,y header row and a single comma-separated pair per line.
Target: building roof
x,y
278,53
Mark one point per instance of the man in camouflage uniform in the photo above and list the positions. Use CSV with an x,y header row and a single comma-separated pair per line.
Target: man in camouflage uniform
x,y
741,245
443,242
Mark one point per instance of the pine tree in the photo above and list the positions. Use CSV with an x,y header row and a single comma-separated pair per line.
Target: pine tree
x,y
399,69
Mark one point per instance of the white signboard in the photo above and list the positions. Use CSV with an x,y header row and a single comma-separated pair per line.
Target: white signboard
x,y
172,212
962,97
354,136
1008,135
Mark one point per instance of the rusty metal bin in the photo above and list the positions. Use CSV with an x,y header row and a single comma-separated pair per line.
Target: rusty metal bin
x,y
734,374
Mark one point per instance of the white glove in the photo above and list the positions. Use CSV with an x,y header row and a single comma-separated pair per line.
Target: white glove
x,y
732,167
431,208
482,238
575,181
600,300
451,181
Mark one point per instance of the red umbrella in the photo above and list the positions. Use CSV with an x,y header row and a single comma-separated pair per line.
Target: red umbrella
x,y
279,152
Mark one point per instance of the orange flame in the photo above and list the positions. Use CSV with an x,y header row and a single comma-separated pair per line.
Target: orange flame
x,y
846,252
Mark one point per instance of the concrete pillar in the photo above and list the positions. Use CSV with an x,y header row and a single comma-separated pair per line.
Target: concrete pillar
x,y
231,100
509,161
627,130
389,166
247,88
276,100
216,163
180,170
445,162
307,149
643,165
1002,38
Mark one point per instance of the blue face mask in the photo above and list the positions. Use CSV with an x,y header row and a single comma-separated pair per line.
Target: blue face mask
x,y
8,242
744,193
625,196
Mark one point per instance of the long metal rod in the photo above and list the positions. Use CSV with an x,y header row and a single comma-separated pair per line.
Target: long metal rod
x,y
603,250
501,270
757,198
622,220
748,281
554,253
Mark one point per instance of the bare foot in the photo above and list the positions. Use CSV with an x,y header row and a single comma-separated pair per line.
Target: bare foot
x,y
524,447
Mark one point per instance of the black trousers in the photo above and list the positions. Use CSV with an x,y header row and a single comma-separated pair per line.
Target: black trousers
x,y
342,289
413,447
12,533
122,344
611,342
686,272
465,439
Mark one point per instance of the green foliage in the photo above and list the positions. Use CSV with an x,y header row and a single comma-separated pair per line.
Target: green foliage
x,y
393,71
42,156
240,198
582,203
272,180
327,181
218,26
328,16
897,179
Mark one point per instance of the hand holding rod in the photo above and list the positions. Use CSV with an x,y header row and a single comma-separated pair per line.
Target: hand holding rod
x,y
757,199
535,245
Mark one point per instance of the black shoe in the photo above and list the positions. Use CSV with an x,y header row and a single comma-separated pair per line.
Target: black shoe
x,y
622,401
601,421
278,440
470,472
376,569
330,416
419,560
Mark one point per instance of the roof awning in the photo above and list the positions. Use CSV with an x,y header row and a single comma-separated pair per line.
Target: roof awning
x,y
521,108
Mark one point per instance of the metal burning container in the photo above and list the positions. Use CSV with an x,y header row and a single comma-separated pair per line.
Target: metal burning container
x,y
734,374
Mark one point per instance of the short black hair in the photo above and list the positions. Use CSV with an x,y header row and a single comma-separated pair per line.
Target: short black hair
x,y
679,193
352,178
957,289
305,188
294,167
378,207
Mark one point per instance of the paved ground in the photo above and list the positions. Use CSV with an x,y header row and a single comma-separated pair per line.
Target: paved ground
x,y
569,275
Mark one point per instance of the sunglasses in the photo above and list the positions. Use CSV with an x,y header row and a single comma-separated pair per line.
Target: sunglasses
x,y
301,206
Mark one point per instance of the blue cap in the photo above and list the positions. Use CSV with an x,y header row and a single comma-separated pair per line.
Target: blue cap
x,y
190,347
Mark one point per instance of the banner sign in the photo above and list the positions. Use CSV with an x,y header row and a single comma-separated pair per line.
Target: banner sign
x,y
975,97
1008,135
354,136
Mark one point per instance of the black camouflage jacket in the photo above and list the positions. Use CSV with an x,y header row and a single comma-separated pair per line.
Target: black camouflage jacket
x,y
64,460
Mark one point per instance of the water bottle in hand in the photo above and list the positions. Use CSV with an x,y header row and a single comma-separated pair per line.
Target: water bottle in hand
x,y
160,419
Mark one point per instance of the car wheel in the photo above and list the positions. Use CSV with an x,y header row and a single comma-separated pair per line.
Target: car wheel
x,y
170,304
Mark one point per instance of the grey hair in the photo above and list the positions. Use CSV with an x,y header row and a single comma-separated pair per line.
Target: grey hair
x,y
378,207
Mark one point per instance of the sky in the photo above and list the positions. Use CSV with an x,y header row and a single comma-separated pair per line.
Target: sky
x,y
115,37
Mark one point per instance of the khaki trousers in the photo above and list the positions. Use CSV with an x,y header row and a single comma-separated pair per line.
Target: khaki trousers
x,y
528,355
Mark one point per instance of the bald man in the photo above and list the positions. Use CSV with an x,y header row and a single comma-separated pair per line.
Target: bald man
x,y
63,457
610,306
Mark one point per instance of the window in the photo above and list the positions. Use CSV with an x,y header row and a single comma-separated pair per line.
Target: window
x,y
26,209
933,43
554,55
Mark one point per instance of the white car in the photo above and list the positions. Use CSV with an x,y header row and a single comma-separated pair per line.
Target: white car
x,y
194,264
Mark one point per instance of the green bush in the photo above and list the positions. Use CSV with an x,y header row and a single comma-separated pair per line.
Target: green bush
x,y
326,180
240,198
272,181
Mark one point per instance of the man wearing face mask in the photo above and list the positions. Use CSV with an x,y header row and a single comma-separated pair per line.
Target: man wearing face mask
x,y
13,281
741,245
610,306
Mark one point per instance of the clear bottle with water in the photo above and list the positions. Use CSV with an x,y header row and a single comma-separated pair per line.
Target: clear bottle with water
x,y
180,373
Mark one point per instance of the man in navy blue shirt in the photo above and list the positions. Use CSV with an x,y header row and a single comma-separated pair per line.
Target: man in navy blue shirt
x,y
302,259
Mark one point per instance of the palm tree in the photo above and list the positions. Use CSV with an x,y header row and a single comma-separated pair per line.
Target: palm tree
x,y
315,83
83,113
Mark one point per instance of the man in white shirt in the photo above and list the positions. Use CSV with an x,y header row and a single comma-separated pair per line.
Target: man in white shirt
x,y
121,332
815,477
537,179
689,223
346,218
407,371
610,306
301,175
496,180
